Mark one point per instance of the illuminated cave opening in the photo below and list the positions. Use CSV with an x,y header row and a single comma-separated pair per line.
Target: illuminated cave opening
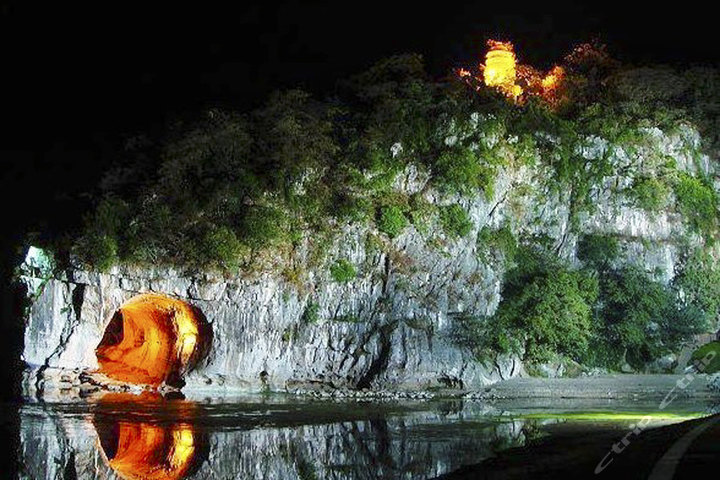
x,y
148,450
153,340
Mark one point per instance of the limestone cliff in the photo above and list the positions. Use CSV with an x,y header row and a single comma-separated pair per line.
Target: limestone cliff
x,y
393,325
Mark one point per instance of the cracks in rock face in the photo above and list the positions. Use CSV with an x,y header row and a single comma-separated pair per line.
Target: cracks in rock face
x,y
561,244
386,276
77,296
70,473
496,206
380,363
513,372
514,368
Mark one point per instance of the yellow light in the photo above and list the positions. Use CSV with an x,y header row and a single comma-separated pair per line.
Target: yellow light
x,y
153,452
553,78
183,447
518,82
150,338
499,70
187,333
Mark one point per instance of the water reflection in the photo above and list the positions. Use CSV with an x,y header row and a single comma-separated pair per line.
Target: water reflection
x,y
141,450
148,437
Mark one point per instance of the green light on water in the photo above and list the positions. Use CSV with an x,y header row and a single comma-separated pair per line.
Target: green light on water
x,y
614,416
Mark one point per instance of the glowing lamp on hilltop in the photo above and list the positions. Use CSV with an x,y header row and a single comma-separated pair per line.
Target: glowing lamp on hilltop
x,y
499,69
516,81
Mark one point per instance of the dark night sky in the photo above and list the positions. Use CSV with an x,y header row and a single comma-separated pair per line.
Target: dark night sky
x,y
78,79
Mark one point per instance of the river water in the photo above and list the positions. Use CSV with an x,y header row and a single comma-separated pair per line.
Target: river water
x,y
285,437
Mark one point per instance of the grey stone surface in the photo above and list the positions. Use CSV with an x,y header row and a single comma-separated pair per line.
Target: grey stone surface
x,y
393,327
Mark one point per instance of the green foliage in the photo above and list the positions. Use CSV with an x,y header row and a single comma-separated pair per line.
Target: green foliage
x,y
422,213
639,319
395,101
455,221
311,314
222,247
354,209
598,316
461,171
707,351
598,251
699,283
391,220
343,271
666,95
99,246
99,250
262,226
650,194
293,136
546,310
561,142
697,201
501,241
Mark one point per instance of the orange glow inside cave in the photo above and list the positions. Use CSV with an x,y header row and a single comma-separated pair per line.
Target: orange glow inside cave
x,y
148,451
152,339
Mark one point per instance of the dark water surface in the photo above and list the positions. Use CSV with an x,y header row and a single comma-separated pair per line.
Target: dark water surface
x,y
282,437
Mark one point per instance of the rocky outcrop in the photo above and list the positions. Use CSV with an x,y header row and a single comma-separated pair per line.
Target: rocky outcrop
x,y
394,325
259,338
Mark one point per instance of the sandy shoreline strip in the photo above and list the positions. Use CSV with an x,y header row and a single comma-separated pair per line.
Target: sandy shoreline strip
x,y
604,386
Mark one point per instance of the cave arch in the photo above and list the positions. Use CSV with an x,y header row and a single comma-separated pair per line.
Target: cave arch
x,y
153,339
147,446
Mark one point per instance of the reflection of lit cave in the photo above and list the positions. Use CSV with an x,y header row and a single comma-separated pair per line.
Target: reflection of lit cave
x,y
142,450
153,339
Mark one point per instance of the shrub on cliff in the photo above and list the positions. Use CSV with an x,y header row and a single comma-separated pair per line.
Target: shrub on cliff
x,y
698,283
99,250
460,170
455,221
500,241
391,220
100,246
293,135
342,271
393,101
261,226
697,201
639,319
598,251
546,309
222,247
650,194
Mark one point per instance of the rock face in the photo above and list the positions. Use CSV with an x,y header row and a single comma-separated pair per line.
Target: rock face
x,y
394,325
258,338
